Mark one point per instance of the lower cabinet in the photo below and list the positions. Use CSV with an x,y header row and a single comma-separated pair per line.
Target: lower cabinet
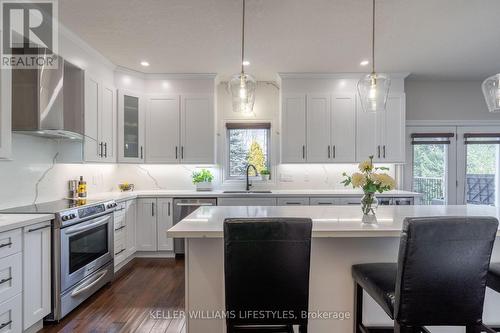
x,y
125,229
246,202
154,218
293,201
11,315
37,271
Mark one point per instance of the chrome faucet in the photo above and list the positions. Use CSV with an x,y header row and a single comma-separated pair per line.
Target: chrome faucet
x,y
256,173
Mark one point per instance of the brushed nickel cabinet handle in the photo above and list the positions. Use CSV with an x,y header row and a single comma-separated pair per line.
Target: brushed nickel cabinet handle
x,y
39,228
120,228
168,209
105,149
152,209
334,151
6,244
384,151
117,253
378,151
5,324
303,152
182,152
142,152
329,151
100,149
5,280
176,152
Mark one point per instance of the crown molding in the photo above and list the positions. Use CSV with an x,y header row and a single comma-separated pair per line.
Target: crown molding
x,y
166,76
401,75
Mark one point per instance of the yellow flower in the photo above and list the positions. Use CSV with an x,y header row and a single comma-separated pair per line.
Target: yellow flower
x,y
358,179
384,180
365,166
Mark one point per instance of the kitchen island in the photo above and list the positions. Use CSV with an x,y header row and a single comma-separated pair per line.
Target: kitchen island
x,y
340,240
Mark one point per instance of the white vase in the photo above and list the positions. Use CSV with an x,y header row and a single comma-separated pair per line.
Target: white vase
x,y
204,186
265,178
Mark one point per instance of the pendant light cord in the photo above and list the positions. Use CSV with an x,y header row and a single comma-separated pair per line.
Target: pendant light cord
x,y
373,37
243,38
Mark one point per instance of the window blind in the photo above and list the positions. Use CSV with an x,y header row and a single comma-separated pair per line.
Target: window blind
x,y
431,138
481,138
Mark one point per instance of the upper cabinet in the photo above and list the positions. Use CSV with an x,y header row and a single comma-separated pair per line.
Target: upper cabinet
x,y
100,121
318,128
130,127
382,134
180,129
5,113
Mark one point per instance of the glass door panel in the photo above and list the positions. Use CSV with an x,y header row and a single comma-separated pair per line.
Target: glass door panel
x,y
131,126
430,164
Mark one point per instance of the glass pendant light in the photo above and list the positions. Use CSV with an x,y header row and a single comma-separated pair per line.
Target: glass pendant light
x,y
373,88
491,91
243,85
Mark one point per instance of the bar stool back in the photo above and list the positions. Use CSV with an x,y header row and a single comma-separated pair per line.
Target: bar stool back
x,y
266,266
440,277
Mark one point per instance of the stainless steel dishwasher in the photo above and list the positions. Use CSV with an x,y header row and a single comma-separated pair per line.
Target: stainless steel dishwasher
x,y
182,208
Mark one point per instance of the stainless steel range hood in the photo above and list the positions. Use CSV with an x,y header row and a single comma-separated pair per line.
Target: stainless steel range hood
x,y
49,102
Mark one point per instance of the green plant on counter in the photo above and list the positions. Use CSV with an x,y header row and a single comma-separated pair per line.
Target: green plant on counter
x,y
265,172
201,176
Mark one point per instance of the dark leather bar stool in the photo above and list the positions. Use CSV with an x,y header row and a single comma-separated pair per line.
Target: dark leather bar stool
x,y
494,283
440,277
266,267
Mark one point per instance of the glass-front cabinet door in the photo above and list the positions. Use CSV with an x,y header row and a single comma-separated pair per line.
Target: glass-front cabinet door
x,y
131,127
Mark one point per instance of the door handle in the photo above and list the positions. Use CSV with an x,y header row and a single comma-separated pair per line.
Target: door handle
x,y
142,153
303,152
152,209
182,152
100,149
329,151
105,149
176,152
78,229
378,151
384,151
334,151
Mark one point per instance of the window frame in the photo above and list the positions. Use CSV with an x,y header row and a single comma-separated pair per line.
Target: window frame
x,y
229,125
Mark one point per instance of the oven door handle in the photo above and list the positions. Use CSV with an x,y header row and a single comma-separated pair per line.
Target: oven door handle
x,y
86,287
77,229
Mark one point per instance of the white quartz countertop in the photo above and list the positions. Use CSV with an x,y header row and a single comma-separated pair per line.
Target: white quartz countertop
x,y
328,221
120,196
14,221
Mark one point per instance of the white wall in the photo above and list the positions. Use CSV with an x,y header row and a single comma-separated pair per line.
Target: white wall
x,y
446,101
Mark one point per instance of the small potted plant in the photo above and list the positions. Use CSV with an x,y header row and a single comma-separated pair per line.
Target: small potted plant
x,y
265,174
203,180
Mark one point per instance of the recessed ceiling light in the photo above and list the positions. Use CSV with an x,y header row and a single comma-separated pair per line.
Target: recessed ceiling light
x,y
364,63
246,63
144,63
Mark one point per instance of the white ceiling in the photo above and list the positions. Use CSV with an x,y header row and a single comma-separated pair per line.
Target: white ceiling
x,y
432,39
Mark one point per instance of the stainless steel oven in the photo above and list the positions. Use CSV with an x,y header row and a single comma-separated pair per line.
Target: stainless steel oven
x,y
85,247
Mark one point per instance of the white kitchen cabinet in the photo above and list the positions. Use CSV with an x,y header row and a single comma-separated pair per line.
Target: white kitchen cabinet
x,y
37,273
130,217
5,113
107,124
162,129
11,315
197,129
343,129
165,222
327,201
318,128
146,235
131,127
100,121
382,133
293,128
246,202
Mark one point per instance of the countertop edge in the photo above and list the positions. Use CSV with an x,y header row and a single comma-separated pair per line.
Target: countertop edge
x,y
29,220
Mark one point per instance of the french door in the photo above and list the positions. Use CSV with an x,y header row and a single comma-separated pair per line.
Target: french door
x,y
431,167
454,165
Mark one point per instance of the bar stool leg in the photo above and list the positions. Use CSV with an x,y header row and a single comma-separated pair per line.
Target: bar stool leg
x,y
398,328
473,329
302,328
358,308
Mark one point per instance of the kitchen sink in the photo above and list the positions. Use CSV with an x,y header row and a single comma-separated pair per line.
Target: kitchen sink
x,y
245,192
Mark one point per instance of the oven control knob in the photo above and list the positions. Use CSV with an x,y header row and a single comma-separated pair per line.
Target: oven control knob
x,y
65,218
72,216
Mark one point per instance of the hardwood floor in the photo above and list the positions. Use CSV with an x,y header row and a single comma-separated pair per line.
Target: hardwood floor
x,y
139,300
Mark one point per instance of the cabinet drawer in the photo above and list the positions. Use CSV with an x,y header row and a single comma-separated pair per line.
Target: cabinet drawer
x,y
324,201
293,201
10,242
120,250
10,276
11,315
350,201
120,225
